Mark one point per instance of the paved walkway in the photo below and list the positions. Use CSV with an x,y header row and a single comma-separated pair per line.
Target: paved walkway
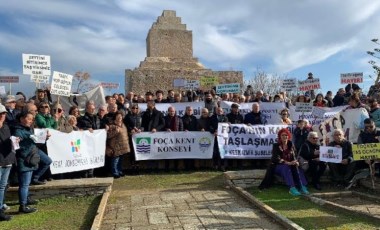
x,y
183,209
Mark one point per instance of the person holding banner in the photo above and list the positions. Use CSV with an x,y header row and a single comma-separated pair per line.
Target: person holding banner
x,y
310,152
190,123
133,123
285,120
341,173
234,117
24,131
117,146
255,117
285,164
173,123
217,118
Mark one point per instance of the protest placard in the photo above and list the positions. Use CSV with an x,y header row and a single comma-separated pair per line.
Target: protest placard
x,y
289,84
209,81
228,88
40,78
35,64
303,107
191,84
2,90
110,85
366,151
9,79
330,154
39,136
351,78
309,84
178,82
61,84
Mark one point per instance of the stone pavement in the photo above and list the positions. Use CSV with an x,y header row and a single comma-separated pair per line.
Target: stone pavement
x,y
189,208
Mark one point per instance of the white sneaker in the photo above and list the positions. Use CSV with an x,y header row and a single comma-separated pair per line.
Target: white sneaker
x,y
5,207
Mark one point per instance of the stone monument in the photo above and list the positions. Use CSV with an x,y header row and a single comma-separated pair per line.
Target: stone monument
x,y
169,57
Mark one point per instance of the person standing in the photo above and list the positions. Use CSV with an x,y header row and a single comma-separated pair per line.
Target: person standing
x,y
255,117
173,123
117,144
24,131
217,118
7,158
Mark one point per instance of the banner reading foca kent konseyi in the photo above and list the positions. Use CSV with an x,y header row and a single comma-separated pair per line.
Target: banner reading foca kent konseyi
x,y
173,145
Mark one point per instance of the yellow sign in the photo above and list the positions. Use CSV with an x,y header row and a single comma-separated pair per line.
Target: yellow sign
x,y
209,81
366,151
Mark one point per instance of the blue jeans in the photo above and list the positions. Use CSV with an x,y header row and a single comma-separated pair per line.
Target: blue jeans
x,y
117,165
24,179
4,174
42,166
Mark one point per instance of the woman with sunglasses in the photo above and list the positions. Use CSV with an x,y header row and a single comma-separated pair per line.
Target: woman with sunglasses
x,y
133,123
285,120
44,118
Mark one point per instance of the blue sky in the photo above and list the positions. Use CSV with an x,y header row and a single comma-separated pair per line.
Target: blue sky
x,y
105,37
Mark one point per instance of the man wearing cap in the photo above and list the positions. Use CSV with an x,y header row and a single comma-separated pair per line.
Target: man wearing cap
x,y
12,112
234,117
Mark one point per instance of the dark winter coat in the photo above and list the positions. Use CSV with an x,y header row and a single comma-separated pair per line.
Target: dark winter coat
x,y
152,120
7,156
26,147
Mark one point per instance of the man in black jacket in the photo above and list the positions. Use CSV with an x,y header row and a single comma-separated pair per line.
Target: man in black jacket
x,y
152,119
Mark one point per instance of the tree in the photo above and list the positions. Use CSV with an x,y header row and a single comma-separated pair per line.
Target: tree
x,y
268,83
82,82
376,54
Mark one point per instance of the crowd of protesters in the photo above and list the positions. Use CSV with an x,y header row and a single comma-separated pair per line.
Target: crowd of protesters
x,y
121,117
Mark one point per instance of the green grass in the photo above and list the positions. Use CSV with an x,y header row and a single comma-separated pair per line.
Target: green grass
x,y
310,215
55,213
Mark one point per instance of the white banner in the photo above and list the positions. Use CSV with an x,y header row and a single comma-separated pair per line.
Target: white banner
x,y
309,84
75,151
61,84
314,120
35,64
330,154
269,109
349,120
96,95
247,142
173,145
228,88
179,107
350,78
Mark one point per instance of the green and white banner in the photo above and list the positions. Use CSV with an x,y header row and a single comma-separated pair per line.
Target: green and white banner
x,y
173,145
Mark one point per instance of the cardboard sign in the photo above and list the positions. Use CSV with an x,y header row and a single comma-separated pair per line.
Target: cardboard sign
x,y
35,64
228,88
191,84
303,107
366,151
309,84
2,90
110,85
289,84
178,82
61,84
9,79
40,78
330,154
209,81
350,78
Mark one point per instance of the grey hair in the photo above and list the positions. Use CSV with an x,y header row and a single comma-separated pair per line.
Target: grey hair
x,y
312,134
